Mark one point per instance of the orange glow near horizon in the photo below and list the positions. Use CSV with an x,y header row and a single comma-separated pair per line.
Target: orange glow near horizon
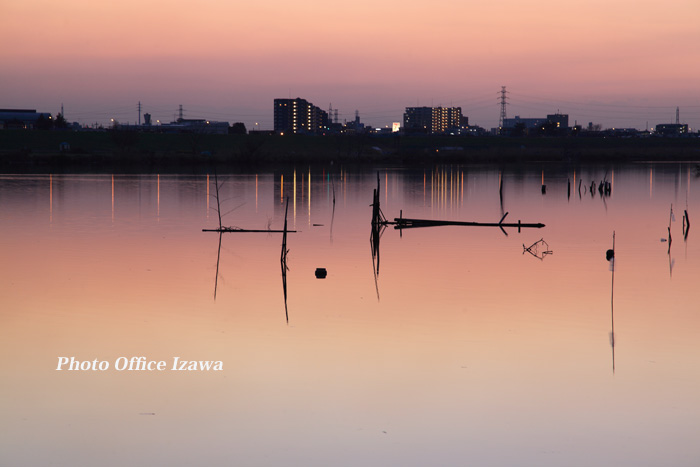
x,y
632,55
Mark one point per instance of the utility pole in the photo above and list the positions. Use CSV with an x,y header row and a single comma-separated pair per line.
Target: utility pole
x,y
503,99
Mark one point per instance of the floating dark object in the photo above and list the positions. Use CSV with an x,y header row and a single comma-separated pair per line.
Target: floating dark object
x,y
610,254
321,273
406,223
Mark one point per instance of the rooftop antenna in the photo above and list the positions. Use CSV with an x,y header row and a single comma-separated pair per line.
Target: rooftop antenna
x,y
503,98
678,116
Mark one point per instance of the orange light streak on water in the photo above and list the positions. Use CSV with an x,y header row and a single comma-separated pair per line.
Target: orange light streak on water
x,y
386,187
50,199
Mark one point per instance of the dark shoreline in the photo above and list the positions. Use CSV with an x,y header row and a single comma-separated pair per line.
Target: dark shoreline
x,y
120,152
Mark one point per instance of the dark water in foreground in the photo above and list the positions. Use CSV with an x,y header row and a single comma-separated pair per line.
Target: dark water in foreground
x,y
463,349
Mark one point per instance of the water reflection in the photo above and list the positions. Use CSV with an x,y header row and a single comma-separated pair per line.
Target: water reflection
x,y
283,261
218,260
378,225
455,362
539,249
610,256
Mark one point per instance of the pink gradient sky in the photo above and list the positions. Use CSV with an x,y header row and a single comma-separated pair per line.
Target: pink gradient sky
x,y
617,62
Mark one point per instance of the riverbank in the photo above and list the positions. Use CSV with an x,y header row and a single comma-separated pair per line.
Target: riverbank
x,y
29,151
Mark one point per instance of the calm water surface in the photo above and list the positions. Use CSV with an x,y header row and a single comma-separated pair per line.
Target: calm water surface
x,y
462,349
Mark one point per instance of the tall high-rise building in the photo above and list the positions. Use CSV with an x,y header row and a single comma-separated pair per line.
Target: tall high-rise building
x,y
299,116
435,120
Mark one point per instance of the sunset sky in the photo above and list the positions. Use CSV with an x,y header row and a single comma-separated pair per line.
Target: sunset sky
x,y
620,63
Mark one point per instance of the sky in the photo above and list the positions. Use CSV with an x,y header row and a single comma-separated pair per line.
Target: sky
x,y
618,63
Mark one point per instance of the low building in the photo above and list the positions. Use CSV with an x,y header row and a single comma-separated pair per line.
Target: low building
x,y
553,125
22,118
671,129
528,123
561,121
200,126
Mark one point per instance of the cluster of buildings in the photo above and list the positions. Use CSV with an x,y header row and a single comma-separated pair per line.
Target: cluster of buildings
x,y
299,116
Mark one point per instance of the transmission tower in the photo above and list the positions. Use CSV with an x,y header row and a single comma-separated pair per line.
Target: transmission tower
x,y
139,113
180,119
678,116
503,99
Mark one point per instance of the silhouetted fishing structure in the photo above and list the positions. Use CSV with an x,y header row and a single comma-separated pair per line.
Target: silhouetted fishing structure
x,y
225,229
401,223
408,223
283,255
240,230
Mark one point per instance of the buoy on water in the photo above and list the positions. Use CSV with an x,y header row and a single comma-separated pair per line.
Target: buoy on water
x,y
610,254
